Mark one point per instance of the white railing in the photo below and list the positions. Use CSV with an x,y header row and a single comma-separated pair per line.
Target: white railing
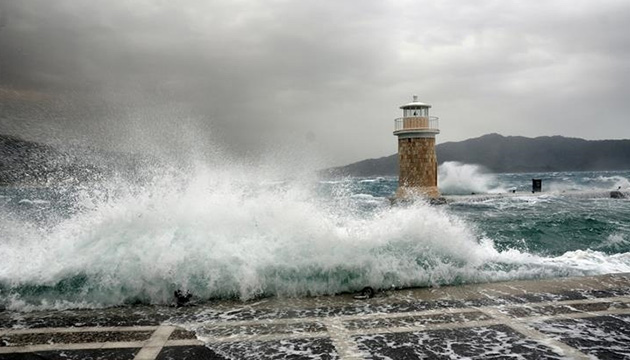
x,y
417,123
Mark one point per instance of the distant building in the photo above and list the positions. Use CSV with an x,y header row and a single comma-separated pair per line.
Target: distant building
x,y
416,132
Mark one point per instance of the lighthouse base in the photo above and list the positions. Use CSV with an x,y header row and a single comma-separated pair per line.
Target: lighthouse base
x,y
410,193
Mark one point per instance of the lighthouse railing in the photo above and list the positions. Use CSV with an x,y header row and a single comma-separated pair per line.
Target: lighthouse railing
x,y
417,123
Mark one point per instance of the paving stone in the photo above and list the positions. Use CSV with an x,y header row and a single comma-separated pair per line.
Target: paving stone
x,y
118,316
95,354
604,337
181,334
295,349
188,353
599,306
261,329
539,310
597,293
321,311
490,342
414,321
74,337
547,310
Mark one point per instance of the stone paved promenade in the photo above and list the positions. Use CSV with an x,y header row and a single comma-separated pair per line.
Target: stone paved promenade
x,y
575,318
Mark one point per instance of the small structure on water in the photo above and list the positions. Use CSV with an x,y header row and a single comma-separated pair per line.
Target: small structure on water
x,y
416,132
536,185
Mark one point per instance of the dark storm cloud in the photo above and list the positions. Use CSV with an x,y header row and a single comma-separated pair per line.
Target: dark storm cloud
x,y
328,73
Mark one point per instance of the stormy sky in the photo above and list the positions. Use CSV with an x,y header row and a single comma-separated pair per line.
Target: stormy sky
x,y
329,75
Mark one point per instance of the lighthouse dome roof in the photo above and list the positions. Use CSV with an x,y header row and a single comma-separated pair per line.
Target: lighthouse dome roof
x,y
415,104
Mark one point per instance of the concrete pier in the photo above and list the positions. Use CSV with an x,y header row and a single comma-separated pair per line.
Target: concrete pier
x,y
577,318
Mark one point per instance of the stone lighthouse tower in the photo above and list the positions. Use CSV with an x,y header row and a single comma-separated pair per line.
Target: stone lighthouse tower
x,y
416,132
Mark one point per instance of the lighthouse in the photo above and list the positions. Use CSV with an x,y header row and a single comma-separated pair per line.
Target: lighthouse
x,y
416,132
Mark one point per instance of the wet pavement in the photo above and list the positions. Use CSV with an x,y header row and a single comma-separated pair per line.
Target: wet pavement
x,y
575,318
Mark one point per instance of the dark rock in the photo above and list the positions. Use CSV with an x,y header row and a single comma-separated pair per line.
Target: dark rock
x,y
182,298
366,293
616,194
438,201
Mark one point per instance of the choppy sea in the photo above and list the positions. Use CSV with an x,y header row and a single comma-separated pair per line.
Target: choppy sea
x,y
225,234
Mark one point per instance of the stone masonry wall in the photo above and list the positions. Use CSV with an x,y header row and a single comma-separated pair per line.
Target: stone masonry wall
x,y
418,164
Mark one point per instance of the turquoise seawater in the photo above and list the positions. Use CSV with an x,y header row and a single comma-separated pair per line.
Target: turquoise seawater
x,y
221,233
573,212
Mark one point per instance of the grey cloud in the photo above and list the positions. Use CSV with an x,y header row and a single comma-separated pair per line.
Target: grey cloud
x,y
252,72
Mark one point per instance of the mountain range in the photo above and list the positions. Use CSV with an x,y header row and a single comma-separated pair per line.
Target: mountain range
x,y
511,154
31,163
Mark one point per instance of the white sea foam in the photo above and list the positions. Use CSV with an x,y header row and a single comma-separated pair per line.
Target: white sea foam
x,y
578,262
621,183
455,178
587,184
239,232
33,202
234,238
614,242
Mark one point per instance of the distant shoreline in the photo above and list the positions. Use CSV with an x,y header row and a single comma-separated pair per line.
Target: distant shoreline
x,y
511,154
31,164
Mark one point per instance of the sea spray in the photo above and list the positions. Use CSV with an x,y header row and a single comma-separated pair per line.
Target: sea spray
x,y
223,235
245,232
455,178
